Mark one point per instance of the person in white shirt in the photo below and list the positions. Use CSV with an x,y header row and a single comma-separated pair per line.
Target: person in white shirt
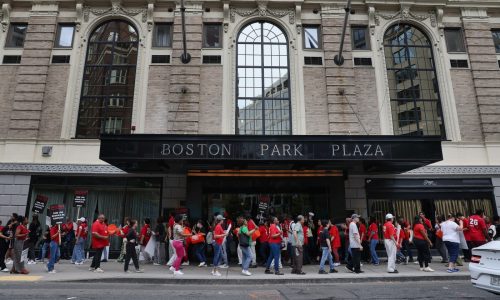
x,y
451,239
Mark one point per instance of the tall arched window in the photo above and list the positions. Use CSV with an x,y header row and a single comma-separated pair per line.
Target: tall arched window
x,y
263,81
413,84
108,80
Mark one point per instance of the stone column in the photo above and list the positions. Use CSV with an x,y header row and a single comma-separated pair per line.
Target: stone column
x,y
32,75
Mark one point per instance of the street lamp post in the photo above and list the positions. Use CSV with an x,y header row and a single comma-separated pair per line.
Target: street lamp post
x,y
185,57
339,59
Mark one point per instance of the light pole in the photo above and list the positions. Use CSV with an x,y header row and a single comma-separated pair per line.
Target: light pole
x,y
339,59
185,57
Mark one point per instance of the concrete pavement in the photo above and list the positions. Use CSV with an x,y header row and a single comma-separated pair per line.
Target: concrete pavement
x,y
195,275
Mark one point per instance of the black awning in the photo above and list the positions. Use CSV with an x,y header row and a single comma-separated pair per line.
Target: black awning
x,y
357,153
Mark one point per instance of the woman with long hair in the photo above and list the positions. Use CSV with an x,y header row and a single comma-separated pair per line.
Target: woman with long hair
x,y
373,240
199,248
21,235
130,252
245,240
451,239
423,244
219,235
33,237
178,244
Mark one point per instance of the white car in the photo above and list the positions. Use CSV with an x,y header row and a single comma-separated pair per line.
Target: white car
x,y
485,267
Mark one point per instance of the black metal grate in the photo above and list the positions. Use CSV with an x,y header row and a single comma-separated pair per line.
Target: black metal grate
x,y
12,59
459,63
313,60
362,61
212,59
160,59
60,59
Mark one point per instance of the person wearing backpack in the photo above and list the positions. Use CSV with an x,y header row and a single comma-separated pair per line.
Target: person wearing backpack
x,y
245,242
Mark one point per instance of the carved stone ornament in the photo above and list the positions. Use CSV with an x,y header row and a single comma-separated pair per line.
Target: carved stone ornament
x,y
263,11
115,9
4,16
406,14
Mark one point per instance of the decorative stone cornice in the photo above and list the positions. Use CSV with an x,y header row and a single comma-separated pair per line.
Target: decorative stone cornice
x,y
263,11
406,14
4,16
474,13
115,9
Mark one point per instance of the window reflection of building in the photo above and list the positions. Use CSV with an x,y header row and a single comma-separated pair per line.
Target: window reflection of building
x,y
109,79
263,98
413,88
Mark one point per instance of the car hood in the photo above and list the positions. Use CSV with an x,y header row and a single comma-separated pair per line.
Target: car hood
x,y
493,245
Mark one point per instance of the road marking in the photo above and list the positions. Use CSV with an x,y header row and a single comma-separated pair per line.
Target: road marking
x,y
19,278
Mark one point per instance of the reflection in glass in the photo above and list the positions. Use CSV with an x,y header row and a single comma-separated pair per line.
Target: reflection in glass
x,y
65,36
108,81
496,40
360,38
413,86
311,37
263,98
162,35
16,35
212,36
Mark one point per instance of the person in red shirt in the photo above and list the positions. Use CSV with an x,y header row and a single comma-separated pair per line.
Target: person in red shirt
x,y
68,239
275,246
100,239
307,258
373,240
264,241
55,241
478,232
426,222
363,234
252,226
21,235
81,235
219,236
122,233
145,236
390,242
336,243
465,222
422,243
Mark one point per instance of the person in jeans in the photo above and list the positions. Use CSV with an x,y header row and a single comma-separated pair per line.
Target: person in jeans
x,y
423,244
298,245
78,255
451,239
130,252
264,240
390,243
326,248
55,241
199,248
373,240
100,239
160,235
245,242
33,237
219,237
440,246
354,265
275,246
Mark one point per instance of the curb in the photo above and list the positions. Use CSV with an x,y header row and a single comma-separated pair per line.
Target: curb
x,y
246,280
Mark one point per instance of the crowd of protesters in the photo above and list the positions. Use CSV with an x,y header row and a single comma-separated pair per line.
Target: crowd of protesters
x,y
271,242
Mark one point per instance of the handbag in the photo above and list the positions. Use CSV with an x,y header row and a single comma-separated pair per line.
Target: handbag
x,y
243,240
197,239
255,235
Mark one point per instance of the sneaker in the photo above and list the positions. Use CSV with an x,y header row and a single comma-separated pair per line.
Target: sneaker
x,y
428,269
394,272
186,263
79,263
449,270
216,273
278,273
98,270
4,270
139,271
91,269
224,266
128,272
421,269
156,264
268,271
172,269
336,264
415,262
349,270
456,270
359,272
322,272
246,273
178,272
52,272
333,271
31,262
202,264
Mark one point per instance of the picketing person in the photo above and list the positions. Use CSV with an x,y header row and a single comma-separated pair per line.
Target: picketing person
x,y
279,242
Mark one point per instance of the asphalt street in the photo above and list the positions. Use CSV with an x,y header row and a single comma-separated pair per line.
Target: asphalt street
x,y
130,290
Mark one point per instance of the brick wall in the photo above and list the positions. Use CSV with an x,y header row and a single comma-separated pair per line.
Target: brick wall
x,y
355,195
31,78
14,190
211,100
485,75
7,90
366,100
466,103
157,99
315,100
53,102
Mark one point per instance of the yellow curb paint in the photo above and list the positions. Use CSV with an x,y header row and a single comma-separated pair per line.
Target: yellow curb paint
x,y
19,278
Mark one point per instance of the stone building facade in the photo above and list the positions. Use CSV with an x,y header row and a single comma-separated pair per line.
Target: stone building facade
x,y
43,79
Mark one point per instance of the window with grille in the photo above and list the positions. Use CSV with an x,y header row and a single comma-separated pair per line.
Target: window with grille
x,y
108,81
413,85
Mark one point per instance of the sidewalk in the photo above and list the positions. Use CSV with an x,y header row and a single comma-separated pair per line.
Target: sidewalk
x,y
194,275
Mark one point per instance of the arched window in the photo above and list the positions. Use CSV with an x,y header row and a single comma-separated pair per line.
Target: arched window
x,y
413,84
263,81
108,80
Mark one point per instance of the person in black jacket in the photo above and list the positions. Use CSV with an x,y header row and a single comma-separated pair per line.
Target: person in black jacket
x,y
130,248
33,237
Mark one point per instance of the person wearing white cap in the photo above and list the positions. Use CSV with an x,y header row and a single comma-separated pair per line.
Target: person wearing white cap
x,y
81,235
390,243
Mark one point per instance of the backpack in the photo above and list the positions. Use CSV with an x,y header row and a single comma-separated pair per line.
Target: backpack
x,y
210,237
243,240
